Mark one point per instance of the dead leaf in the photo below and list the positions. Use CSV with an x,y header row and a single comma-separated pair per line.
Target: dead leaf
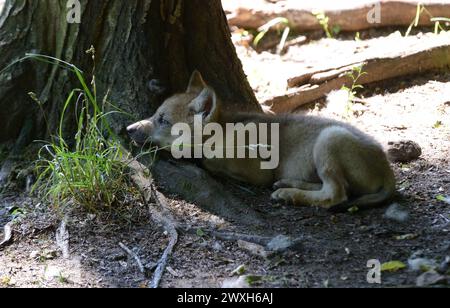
x,y
406,237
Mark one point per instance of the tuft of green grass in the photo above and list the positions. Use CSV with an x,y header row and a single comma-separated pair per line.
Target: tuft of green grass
x,y
91,168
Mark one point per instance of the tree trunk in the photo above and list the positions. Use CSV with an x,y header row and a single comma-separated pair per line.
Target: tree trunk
x,y
137,43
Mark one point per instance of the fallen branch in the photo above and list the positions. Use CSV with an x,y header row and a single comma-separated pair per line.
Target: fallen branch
x,y
142,178
134,256
314,85
347,16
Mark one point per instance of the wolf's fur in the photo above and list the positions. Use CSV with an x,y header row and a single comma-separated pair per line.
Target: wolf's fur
x,y
322,162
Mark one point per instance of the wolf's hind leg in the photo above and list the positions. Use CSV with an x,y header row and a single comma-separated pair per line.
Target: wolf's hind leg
x,y
288,183
332,193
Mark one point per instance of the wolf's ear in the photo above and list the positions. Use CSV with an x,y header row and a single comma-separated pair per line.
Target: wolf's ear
x,y
207,105
196,84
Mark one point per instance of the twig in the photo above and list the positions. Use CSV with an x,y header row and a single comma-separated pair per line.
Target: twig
x,y
227,236
134,256
164,217
236,237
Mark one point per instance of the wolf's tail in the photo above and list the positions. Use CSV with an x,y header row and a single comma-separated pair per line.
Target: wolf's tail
x,y
372,200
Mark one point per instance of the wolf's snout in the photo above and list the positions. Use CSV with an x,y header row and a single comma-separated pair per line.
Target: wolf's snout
x,y
132,129
140,132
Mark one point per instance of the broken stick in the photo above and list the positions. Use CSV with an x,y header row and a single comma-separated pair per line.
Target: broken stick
x,y
134,256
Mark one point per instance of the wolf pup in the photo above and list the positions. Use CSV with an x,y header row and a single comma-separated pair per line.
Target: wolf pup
x,y
322,162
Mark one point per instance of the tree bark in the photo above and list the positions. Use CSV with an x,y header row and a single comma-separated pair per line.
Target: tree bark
x,y
137,42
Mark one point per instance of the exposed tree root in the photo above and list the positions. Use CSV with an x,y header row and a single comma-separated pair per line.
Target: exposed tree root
x,y
160,214
195,185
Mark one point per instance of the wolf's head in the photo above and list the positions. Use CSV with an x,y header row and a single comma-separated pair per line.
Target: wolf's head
x,y
198,99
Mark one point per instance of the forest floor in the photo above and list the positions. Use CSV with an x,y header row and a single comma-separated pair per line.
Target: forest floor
x,y
334,248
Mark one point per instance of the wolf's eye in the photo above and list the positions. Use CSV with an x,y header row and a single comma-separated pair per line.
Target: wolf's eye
x,y
163,121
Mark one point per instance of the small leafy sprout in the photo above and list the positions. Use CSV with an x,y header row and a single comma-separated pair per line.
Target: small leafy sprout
x,y
438,124
324,20
336,30
355,76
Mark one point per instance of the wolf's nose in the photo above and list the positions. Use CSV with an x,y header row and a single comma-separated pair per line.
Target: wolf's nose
x,y
131,129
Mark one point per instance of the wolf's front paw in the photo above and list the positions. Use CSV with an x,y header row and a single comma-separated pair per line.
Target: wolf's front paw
x,y
286,195
281,184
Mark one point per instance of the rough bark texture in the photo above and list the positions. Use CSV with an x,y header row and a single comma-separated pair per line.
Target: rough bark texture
x,y
136,41
145,51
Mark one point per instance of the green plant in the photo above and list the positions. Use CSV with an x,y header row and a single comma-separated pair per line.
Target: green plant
x,y
421,9
355,75
324,20
93,171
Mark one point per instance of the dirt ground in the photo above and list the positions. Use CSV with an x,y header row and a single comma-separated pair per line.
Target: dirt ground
x,y
333,249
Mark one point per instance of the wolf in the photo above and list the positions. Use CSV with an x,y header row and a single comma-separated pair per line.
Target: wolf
x,y
322,163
